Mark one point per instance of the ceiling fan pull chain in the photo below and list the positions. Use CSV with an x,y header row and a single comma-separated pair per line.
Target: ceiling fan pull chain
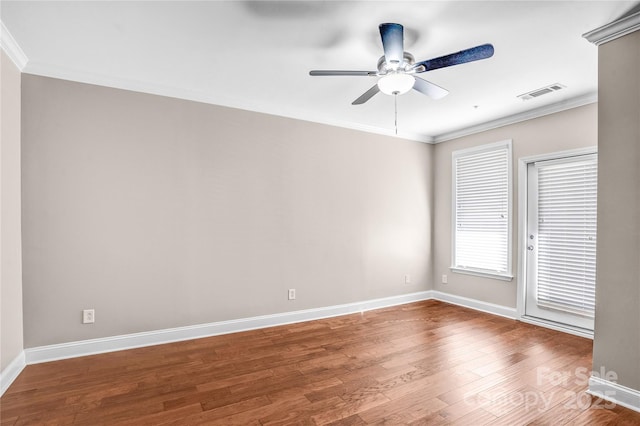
x,y
395,106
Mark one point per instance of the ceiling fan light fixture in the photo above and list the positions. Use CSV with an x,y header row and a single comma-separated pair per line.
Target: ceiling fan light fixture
x,y
396,83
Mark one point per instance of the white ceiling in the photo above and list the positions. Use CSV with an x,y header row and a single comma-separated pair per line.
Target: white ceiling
x,y
256,55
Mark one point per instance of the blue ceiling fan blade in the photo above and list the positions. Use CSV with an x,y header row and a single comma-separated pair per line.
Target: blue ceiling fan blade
x,y
393,44
469,55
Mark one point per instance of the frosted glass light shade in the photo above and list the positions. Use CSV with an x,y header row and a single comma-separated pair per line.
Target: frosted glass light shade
x,y
396,84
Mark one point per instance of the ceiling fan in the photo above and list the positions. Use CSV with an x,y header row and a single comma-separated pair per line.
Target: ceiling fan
x,y
397,68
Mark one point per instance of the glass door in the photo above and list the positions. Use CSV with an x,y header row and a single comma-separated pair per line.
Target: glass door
x,y
561,240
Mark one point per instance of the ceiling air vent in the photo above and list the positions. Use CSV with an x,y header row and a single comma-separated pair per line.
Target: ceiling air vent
x,y
542,91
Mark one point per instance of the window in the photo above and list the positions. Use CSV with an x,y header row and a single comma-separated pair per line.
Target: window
x,y
482,211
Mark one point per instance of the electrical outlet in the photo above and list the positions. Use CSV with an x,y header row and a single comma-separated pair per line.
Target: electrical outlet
x,y
407,279
444,278
292,294
88,316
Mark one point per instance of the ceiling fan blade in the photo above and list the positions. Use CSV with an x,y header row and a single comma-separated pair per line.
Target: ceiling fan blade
x,y
342,73
469,55
393,44
428,88
366,95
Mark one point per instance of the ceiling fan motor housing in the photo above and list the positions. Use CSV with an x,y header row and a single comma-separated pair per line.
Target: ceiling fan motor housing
x,y
407,62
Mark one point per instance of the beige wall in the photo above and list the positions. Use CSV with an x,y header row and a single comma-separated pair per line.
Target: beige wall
x,y
571,129
159,212
617,329
10,245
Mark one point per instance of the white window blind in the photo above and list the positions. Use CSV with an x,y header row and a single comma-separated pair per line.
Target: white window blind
x,y
567,195
482,210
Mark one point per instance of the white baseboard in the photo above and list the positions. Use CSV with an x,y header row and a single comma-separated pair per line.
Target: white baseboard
x,y
136,340
505,311
11,372
620,395
558,327
598,387
478,305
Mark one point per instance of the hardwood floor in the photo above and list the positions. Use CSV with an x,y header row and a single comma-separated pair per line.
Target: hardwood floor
x,y
419,364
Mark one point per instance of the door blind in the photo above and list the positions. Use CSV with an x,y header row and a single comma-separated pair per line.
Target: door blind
x,y
482,211
567,236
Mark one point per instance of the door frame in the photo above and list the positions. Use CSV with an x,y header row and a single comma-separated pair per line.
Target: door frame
x,y
523,195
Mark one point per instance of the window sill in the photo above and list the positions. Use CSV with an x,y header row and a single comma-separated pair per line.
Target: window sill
x,y
485,274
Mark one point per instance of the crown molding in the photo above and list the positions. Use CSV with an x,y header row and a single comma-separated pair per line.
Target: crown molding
x,y
614,30
11,48
53,71
48,70
517,118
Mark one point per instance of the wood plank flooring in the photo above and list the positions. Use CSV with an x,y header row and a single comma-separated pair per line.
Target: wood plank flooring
x,y
425,363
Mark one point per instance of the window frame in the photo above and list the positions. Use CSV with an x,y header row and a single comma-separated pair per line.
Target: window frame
x,y
487,273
